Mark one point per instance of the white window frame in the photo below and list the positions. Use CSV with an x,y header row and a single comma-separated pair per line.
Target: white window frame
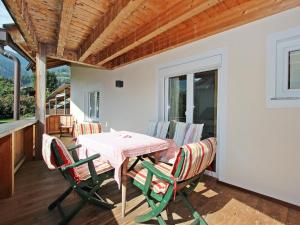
x,y
97,115
215,59
278,47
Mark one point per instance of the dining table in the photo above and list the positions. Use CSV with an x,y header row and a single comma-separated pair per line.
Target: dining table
x,y
117,148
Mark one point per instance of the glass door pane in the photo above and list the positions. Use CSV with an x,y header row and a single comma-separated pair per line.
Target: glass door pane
x,y
91,105
205,101
177,98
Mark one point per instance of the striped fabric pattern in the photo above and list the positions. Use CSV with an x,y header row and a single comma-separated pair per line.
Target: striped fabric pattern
x,y
151,131
139,173
162,129
198,156
101,166
193,134
78,173
180,132
87,128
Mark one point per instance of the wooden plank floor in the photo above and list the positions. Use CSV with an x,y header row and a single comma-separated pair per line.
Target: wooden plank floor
x,y
36,187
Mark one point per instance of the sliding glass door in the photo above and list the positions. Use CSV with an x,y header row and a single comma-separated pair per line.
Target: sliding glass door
x,y
192,98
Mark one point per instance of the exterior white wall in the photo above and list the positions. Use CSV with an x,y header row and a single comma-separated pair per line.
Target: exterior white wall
x,y
262,145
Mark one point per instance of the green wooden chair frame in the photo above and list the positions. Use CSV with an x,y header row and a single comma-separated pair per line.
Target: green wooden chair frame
x,y
181,191
86,189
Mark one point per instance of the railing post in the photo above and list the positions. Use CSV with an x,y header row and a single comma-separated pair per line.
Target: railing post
x,y
6,167
40,98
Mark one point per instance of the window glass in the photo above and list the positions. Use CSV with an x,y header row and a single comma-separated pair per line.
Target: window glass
x,y
294,70
92,105
205,101
177,98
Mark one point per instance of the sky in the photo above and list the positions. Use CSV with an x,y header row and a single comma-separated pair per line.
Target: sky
x,y
4,16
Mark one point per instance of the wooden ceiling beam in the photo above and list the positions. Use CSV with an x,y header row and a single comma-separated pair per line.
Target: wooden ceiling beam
x,y
68,56
199,27
179,13
66,15
20,13
108,25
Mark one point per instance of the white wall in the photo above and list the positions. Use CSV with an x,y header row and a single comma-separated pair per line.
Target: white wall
x,y
263,145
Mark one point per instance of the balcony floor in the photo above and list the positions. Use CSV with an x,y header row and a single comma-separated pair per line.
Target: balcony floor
x,y
36,187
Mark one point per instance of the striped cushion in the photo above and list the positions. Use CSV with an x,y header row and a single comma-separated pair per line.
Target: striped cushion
x,y
101,166
193,134
139,173
66,158
151,128
179,134
87,128
198,156
162,129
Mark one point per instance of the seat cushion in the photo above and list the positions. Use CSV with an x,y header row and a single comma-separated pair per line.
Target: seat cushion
x,y
139,173
101,166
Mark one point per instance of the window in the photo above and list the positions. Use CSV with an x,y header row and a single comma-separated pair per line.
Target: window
x,y
93,105
283,84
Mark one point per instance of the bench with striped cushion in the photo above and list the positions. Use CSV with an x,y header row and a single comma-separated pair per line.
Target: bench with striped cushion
x,y
197,157
87,128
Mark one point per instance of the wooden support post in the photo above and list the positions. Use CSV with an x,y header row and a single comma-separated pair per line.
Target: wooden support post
x,y
28,142
40,110
6,167
65,102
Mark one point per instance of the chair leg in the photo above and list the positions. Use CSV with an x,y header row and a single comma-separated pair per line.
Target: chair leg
x,y
196,215
66,219
60,199
139,158
155,212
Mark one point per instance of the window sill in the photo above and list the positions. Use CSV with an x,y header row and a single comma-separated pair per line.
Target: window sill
x,y
283,102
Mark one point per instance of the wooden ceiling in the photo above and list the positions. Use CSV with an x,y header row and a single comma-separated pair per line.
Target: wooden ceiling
x,y
112,33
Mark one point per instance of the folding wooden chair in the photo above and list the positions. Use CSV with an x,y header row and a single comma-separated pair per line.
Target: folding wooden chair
x,y
160,182
84,176
66,123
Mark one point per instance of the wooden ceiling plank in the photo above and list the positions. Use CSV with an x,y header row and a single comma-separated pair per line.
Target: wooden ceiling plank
x,y
108,24
166,20
65,20
21,15
236,16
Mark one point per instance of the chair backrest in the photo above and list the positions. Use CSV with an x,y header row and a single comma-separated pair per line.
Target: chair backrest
x,y
180,132
193,134
194,158
151,131
66,120
87,128
55,155
162,129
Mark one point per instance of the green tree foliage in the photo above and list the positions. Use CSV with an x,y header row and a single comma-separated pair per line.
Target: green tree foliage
x,y
7,86
52,82
7,100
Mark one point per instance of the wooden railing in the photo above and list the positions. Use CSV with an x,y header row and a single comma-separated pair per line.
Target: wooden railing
x,y
17,144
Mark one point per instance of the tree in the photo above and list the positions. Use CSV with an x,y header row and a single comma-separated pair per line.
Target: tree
x,y
52,82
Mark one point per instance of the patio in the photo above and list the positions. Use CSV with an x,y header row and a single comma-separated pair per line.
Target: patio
x,y
218,203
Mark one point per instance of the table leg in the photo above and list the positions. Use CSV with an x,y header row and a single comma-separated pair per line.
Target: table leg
x,y
124,185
